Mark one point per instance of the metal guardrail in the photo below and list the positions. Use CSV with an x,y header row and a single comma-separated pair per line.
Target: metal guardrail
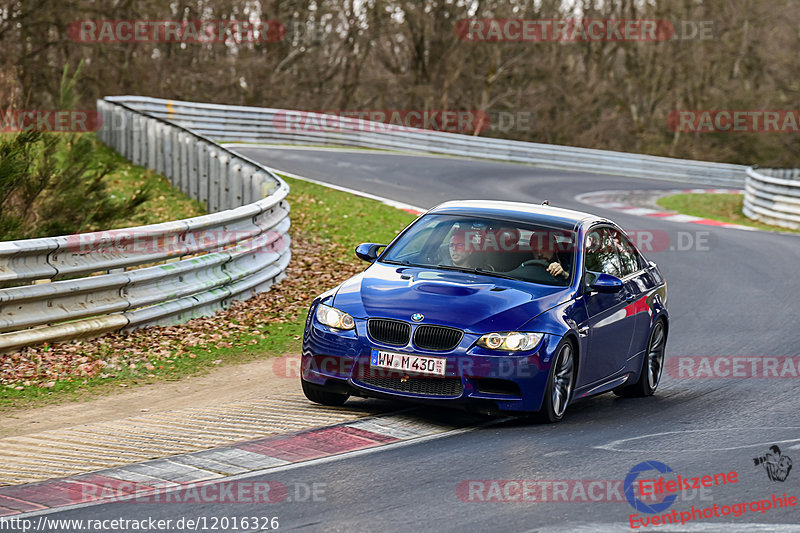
x,y
196,266
88,284
264,125
773,196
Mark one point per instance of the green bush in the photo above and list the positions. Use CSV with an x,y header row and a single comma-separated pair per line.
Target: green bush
x,y
53,183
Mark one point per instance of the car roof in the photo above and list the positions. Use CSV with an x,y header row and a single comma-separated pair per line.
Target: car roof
x,y
545,215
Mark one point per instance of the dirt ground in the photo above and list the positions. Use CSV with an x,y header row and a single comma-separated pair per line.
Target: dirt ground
x,y
227,383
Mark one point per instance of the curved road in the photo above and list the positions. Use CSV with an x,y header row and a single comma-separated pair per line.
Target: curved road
x,y
731,293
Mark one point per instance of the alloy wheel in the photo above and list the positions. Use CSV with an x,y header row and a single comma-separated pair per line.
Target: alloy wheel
x,y
655,356
562,380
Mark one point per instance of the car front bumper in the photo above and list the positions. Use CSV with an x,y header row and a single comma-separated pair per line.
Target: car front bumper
x,y
475,378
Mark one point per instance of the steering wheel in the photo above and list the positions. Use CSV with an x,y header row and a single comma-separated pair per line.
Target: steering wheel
x,y
536,262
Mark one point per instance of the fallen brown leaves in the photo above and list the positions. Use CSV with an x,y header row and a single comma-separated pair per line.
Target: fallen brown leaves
x,y
311,271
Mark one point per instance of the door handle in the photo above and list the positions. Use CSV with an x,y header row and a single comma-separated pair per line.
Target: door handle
x,y
583,331
630,297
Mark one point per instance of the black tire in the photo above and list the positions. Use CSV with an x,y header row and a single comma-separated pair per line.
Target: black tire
x,y
652,365
560,384
318,394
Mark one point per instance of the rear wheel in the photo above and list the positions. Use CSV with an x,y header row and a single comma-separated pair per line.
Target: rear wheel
x,y
652,365
559,385
318,394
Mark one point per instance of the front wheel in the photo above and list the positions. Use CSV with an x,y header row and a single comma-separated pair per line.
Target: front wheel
x,y
652,365
318,394
560,382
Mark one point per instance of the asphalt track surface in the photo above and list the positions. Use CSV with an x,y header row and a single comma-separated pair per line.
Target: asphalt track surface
x,y
732,293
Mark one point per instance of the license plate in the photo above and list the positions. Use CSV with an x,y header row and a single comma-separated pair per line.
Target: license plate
x,y
419,364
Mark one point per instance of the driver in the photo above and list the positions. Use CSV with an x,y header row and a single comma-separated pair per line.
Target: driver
x,y
543,246
462,249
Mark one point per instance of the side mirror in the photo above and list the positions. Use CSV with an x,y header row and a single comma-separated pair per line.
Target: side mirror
x,y
606,283
368,251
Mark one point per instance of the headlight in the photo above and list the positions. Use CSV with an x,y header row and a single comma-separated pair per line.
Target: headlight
x,y
512,341
332,317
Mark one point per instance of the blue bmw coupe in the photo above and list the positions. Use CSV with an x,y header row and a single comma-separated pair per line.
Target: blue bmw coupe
x,y
497,307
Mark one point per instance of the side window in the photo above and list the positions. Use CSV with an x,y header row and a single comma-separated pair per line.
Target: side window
x,y
416,246
628,257
601,252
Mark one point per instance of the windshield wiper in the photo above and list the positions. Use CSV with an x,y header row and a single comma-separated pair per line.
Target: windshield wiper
x,y
495,274
453,267
477,271
404,263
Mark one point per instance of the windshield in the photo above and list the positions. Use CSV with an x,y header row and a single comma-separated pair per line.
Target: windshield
x,y
524,252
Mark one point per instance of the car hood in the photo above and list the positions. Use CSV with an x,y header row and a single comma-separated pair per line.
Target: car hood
x,y
467,301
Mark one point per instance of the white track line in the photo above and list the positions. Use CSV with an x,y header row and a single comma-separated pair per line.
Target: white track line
x,y
382,199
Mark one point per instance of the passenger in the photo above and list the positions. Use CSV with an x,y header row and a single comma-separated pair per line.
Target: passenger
x,y
592,258
545,251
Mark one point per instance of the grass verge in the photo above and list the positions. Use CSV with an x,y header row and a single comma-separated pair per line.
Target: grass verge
x,y
165,202
326,226
722,207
